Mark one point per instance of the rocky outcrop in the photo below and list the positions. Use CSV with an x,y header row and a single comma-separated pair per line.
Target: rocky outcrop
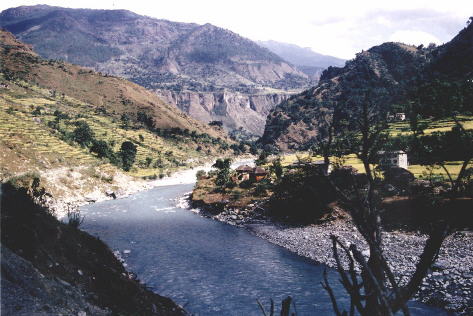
x,y
234,109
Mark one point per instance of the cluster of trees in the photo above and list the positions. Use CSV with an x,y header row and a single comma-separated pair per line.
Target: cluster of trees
x,y
85,137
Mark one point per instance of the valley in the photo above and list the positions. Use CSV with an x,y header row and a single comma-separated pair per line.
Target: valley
x,y
142,157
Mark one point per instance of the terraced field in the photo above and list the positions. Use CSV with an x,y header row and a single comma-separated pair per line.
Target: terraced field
x,y
29,144
403,128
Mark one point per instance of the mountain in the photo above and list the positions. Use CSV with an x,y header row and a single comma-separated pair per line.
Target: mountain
x,y
396,67
304,58
188,62
293,124
68,123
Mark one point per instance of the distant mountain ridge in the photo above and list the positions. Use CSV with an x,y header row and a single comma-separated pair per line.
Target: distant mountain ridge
x,y
304,58
293,124
163,55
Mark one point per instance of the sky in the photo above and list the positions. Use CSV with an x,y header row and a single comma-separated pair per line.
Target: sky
x,y
337,28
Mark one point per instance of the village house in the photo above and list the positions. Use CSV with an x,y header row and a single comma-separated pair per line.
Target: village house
x,y
400,116
246,172
323,166
320,164
243,172
397,158
258,174
396,117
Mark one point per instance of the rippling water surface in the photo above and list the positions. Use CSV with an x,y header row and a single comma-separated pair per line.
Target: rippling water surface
x,y
208,267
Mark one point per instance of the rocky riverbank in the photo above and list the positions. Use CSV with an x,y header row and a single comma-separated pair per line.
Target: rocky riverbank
x,y
123,186
449,285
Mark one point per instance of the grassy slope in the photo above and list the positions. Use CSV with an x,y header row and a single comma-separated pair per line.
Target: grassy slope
x,y
28,144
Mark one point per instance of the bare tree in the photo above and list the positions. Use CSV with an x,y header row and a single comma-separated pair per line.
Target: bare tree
x,y
376,290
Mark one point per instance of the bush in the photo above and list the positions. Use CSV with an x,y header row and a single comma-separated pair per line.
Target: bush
x,y
301,196
201,174
83,134
127,154
74,219
102,149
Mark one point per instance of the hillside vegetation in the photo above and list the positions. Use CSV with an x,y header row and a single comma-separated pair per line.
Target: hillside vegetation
x,y
43,103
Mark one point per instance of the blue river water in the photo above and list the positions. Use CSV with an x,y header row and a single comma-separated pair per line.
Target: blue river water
x,y
206,266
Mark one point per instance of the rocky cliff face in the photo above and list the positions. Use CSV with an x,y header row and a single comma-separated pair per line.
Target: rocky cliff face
x,y
234,109
157,54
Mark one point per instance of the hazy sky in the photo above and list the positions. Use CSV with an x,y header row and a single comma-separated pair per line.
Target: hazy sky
x,y
338,28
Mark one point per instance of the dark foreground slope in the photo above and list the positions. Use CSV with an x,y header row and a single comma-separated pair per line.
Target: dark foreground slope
x,y
49,267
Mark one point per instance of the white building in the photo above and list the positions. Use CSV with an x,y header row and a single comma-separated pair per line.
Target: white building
x,y
396,158
400,116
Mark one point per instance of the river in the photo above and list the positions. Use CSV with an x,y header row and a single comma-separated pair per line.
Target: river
x,y
206,266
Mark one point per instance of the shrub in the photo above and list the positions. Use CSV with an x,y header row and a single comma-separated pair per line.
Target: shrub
x,y
127,154
83,134
301,196
201,174
74,218
102,149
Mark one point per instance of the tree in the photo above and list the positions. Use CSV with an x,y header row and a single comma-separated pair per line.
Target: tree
x,y
262,159
127,154
125,121
223,172
102,149
276,168
83,134
376,291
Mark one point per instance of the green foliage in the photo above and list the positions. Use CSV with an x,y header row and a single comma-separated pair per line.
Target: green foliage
x,y
262,159
125,121
216,123
201,174
37,111
74,218
301,195
83,134
103,150
276,168
127,154
223,172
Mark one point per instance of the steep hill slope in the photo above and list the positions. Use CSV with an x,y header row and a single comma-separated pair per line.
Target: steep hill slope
x,y
43,103
52,268
293,124
304,58
164,56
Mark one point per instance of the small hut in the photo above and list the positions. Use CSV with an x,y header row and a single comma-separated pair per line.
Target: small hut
x,y
258,174
400,116
243,172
